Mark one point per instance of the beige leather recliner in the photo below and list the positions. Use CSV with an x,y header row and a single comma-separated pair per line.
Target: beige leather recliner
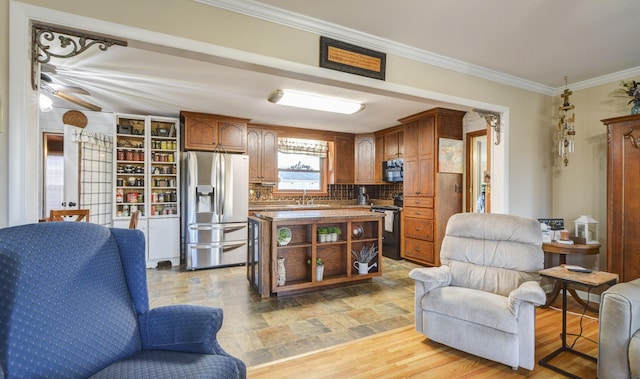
x,y
619,333
485,292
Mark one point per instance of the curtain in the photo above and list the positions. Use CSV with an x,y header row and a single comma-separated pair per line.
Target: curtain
x,y
96,170
303,146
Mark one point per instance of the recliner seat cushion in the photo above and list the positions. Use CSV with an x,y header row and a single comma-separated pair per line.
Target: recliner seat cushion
x,y
160,364
482,308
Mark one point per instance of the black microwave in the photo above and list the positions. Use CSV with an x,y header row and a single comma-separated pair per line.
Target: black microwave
x,y
393,170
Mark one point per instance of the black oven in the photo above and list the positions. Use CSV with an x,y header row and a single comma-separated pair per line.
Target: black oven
x,y
390,230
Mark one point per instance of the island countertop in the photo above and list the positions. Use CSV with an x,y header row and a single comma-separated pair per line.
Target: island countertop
x,y
317,214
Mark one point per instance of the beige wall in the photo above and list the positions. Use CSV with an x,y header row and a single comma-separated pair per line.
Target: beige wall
x,y
580,188
537,187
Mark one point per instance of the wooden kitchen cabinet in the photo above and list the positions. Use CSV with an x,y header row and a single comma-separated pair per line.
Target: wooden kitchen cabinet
x,y
394,145
365,148
430,196
344,156
379,157
209,132
262,147
623,204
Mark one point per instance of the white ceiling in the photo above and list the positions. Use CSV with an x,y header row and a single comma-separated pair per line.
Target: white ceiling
x,y
530,44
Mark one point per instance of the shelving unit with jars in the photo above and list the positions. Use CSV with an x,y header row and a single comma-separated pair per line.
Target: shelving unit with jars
x,y
130,170
302,252
163,169
146,178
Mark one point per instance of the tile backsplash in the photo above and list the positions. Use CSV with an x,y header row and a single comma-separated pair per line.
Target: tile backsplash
x,y
259,192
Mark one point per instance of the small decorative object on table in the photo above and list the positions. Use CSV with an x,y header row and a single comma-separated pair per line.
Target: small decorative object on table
x,y
587,229
363,257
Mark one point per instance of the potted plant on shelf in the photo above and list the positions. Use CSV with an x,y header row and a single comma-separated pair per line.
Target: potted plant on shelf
x,y
319,268
363,257
322,234
334,233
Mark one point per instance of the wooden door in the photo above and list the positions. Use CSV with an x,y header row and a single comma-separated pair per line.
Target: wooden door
x,y
477,178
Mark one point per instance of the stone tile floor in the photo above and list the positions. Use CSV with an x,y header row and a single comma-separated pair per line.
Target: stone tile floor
x,y
262,330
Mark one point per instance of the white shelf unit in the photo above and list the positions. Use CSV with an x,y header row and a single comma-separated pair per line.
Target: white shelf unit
x,y
147,178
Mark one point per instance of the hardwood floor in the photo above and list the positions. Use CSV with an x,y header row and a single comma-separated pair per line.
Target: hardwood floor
x,y
359,331
405,353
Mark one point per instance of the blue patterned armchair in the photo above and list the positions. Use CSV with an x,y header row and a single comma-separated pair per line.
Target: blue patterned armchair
x,y
74,304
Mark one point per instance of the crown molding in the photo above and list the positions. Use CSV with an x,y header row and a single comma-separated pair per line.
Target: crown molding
x,y
604,79
295,20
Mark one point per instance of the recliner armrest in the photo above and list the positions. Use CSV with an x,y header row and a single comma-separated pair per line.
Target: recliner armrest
x,y
530,292
186,328
432,277
619,321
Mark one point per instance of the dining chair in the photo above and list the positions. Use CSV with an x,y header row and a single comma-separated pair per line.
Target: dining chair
x,y
60,214
133,221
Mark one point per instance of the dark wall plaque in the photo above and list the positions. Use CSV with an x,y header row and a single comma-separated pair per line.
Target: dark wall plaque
x,y
342,56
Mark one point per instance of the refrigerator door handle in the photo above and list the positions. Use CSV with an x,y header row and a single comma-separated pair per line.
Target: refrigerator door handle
x,y
233,246
225,246
223,175
225,227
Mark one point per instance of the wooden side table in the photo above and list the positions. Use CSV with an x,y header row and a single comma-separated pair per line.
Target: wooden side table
x,y
563,250
565,277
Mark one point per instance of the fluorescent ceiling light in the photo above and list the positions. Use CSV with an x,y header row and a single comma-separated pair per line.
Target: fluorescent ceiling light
x,y
317,102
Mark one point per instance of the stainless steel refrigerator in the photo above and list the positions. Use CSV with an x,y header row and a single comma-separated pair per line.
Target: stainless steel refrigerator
x,y
216,190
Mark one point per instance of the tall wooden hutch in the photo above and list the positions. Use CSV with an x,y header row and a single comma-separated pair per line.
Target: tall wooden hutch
x,y
623,196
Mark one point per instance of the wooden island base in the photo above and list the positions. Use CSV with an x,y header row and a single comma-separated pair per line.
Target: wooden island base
x,y
301,254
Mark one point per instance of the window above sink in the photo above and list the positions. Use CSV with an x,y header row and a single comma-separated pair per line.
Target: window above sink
x,y
302,166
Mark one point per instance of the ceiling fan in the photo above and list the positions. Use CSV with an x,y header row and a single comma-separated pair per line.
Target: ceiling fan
x,y
48,86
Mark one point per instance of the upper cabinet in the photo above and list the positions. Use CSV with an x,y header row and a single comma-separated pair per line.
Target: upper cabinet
x,y
343,164
262,147
365,148
394,145
209,132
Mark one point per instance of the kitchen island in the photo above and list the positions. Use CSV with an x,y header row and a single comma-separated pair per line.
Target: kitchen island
x,y
295,249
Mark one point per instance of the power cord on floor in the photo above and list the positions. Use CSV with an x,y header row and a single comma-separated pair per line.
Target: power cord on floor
x,y
582,317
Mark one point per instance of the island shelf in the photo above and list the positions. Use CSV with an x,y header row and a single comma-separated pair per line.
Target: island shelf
x,y
353,229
